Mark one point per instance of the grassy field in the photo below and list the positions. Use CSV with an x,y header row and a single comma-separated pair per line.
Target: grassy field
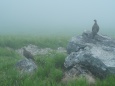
x,y
50,66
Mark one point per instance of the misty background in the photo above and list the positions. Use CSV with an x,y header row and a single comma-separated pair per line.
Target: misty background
x,y
56,17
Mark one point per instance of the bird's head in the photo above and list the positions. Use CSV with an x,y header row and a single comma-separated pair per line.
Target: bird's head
x,y
95,20
24,48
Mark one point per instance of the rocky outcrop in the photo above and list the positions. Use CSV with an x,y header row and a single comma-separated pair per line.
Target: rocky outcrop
x,y
35,50
28,65
97,56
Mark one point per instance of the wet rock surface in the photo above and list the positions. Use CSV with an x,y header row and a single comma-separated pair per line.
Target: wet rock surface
x,y
97,55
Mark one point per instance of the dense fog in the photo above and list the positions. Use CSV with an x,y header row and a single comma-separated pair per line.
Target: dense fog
x,y
57,17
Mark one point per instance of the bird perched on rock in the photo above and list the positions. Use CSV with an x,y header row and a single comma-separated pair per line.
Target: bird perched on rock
x,y
27,54
95,29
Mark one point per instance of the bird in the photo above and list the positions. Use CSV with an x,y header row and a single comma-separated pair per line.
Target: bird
x,y
27,54
95,29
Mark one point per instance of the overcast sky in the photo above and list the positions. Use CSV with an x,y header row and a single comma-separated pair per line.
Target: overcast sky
x,y
55,16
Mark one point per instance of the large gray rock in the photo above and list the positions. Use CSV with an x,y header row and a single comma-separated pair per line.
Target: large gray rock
x,y
95,55
26,66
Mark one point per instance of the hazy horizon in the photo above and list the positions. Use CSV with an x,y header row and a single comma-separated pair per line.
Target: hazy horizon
x,y
55,17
